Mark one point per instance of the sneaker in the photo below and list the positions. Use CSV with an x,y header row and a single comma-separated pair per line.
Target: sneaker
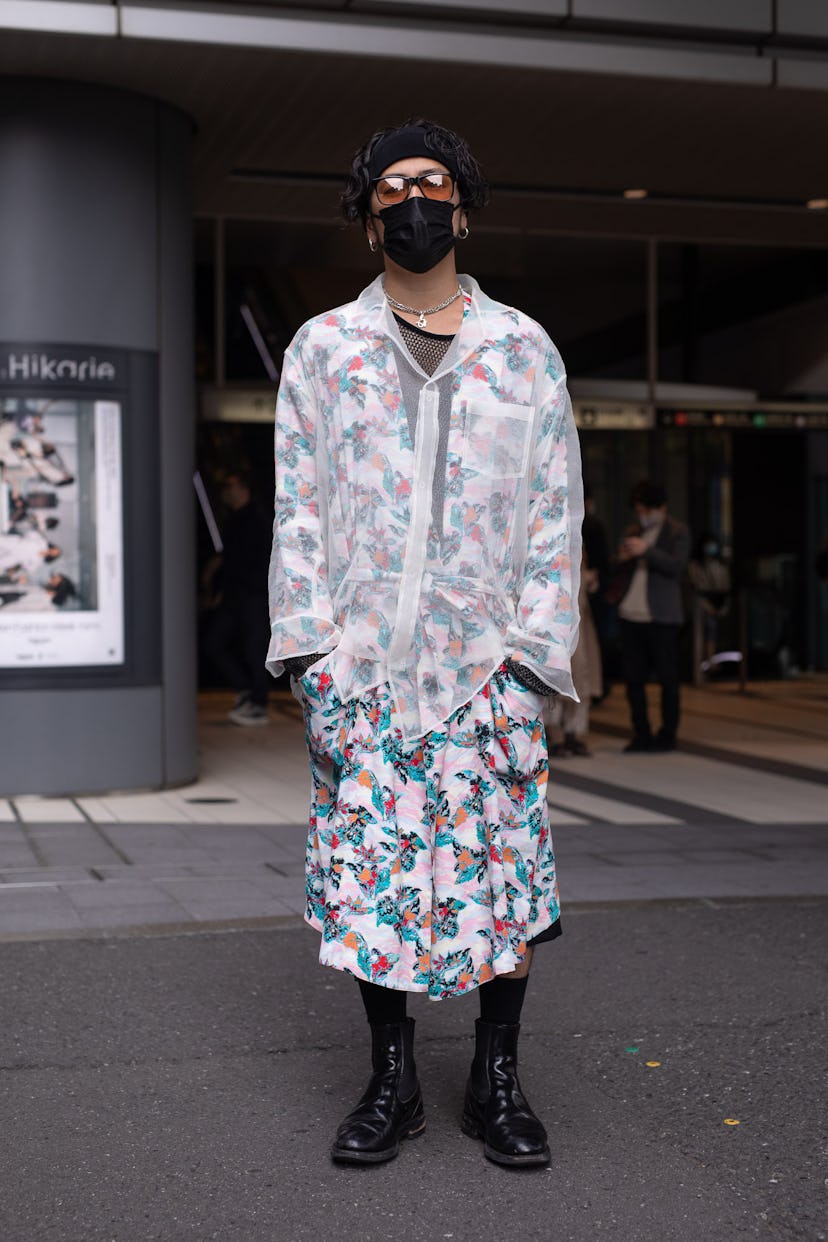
x,y
248,713
638,745
662,743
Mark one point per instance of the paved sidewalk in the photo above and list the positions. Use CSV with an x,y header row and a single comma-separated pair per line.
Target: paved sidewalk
x,y
712,821
160,876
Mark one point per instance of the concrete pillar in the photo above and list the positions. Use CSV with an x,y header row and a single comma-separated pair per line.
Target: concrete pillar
x,y
96,263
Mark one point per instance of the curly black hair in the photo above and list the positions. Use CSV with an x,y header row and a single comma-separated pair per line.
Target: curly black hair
x,y
473,186
650,495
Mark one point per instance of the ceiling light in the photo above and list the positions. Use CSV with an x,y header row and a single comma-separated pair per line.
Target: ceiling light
x,y
817,204
635,193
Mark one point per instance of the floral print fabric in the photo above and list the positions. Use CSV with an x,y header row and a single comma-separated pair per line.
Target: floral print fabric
x,y
429,864
361,568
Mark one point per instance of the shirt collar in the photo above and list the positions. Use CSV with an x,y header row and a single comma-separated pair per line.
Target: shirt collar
x,y
472,330
373,296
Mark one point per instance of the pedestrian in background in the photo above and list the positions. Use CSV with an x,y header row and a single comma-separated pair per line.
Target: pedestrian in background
x,y
597,554
571,717
424,589
650,612
237,631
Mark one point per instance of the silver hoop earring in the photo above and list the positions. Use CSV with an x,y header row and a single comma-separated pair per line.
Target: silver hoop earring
x,y
372,245
464,232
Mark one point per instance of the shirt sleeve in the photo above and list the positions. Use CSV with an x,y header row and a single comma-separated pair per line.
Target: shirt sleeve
x,y
544,633
301,615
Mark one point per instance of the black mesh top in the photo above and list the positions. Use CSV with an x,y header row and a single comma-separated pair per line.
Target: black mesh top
x,y
428,349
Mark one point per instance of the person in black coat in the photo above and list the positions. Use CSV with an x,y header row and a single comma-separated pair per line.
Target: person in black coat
x,y
650,614
238,630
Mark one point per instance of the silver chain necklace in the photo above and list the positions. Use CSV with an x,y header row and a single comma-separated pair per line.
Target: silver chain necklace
x,y
430,310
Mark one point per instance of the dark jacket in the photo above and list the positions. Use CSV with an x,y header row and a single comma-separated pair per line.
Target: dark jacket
x,y
246,538
666,563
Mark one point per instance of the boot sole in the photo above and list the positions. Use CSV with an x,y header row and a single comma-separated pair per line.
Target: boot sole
x,y
472,1129
344,1155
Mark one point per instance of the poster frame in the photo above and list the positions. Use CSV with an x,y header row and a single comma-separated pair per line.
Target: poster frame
x,y
135,386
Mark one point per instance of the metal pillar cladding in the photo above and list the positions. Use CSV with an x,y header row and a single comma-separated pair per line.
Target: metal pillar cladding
x,y
97,618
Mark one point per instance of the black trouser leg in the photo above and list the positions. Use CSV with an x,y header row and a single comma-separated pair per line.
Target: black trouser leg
x,y
254,637
635,654
382,1004
665,660
501,1000
221,646
236,644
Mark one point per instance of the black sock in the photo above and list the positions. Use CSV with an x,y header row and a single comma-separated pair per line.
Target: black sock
x,y
382,1004
502,1000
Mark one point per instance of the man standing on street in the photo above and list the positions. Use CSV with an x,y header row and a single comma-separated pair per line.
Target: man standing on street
x,y
651,614
424,588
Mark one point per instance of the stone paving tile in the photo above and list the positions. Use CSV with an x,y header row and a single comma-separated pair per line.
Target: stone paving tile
x,y
605,883
232,843
71,844
16,854
285,887
612,810
150,808
291,847
636,858
115,895
159,852
782,880
36,910
48,810
54,875
96,810
11,831
135,916
162,868
724,857
289,867
741,836
609,836
797,853
227,898
294,906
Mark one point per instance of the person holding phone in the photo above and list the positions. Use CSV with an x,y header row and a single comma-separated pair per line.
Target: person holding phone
x,y
650,613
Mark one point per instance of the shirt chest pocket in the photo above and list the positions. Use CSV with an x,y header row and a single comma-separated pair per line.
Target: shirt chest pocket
x,y
496,439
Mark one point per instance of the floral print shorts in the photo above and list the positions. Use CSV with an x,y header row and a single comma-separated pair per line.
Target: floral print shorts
x,y
429,863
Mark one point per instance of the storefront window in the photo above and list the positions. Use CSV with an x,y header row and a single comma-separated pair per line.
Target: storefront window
x,y
750,318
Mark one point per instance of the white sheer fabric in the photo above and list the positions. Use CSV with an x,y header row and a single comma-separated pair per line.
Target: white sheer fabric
x,y
361,569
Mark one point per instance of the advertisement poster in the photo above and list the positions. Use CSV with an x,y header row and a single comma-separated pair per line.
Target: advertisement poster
x,y
61,533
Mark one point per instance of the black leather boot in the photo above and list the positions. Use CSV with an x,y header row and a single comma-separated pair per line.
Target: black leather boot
x,y
495,1109
392,1106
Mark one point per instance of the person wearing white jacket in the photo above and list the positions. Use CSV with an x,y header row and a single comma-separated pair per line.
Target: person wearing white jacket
x,y
423,594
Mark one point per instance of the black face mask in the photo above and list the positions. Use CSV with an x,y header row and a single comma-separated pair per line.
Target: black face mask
x,y
418,233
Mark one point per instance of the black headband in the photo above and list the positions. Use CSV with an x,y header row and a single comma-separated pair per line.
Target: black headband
x,y
402,144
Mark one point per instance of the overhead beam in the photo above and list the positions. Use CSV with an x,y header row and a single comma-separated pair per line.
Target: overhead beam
x,y
59,17
415,40
631,48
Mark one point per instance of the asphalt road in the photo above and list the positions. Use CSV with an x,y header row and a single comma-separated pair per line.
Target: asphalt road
x,y
186,1087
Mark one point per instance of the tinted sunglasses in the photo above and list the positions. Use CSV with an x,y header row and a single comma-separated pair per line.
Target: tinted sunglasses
x,y
395,188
